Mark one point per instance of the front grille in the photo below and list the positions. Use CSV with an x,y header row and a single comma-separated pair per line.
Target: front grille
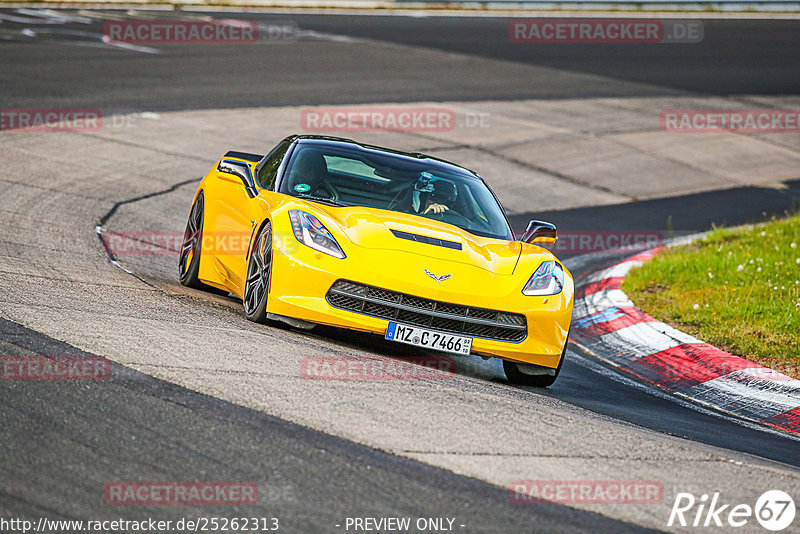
x,y
419,311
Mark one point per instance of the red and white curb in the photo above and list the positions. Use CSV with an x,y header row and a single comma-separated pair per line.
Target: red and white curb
x,y
610,326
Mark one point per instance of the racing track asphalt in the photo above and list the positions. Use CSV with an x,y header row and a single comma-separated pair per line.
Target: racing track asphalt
x,y
588,382
62,442
737,58
45,73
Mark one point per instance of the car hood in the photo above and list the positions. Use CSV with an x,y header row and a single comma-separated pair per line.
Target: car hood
x,y
372,228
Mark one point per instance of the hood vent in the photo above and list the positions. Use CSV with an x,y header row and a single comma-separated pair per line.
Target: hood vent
x,y
427,240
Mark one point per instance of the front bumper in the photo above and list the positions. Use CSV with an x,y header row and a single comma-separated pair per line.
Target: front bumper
x,y
302,278
417,311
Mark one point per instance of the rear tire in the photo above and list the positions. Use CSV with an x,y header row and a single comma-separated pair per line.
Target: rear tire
x,y
259,270
516,376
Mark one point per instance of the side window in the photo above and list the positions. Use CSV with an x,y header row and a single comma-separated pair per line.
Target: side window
x,y
269,170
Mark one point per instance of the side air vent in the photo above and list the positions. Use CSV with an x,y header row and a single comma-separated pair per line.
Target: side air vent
x,y
244,155
427,240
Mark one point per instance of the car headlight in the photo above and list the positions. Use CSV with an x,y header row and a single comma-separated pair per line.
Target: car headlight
x,y
312,233
547,280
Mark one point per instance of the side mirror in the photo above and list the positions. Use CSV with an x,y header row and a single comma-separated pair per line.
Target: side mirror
x,y
241,170
540,233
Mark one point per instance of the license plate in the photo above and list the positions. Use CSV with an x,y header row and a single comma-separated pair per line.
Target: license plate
x,y
430,339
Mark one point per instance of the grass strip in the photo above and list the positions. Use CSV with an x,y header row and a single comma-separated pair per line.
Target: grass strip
x,y
737,289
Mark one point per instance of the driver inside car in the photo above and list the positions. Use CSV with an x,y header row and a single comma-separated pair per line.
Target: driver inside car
x,y
432,195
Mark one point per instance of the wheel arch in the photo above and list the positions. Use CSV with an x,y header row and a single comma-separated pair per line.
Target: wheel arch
x,y
256,230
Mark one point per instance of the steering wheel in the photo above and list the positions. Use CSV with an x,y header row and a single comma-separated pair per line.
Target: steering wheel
x,y
451,217
456,219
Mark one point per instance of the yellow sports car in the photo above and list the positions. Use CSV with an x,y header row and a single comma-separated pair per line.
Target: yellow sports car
x,y
328,231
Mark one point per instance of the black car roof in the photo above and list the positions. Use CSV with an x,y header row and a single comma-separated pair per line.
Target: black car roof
x,y
344,142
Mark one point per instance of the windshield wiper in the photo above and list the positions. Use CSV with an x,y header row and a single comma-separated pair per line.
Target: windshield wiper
x,y
322,200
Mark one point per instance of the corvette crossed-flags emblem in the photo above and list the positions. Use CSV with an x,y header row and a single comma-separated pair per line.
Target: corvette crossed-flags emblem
x,y
437,278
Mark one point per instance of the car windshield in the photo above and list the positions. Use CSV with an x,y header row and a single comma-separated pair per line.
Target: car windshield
x,y
354,176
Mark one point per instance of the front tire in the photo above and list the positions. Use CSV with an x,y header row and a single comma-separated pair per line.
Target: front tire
x,y
189,259
519,377
259,269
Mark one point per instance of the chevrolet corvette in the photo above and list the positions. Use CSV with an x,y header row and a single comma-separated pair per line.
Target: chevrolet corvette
x,y
403,245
